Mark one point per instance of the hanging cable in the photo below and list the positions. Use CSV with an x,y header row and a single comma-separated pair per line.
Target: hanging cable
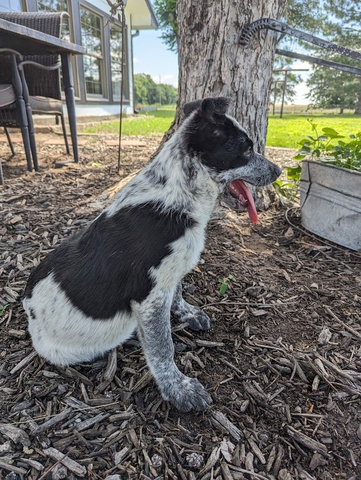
x,y
121,83
121,17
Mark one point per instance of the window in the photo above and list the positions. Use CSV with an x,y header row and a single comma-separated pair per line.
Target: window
x,y
66,30
57,6
91,33
10,5
116,64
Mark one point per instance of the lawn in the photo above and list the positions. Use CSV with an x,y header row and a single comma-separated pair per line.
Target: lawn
x,y
282,132
289,130
149,124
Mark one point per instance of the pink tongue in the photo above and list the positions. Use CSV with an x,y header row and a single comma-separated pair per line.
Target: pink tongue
x,y
238,189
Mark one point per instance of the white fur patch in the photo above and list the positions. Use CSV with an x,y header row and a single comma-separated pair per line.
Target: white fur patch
x,y
62,334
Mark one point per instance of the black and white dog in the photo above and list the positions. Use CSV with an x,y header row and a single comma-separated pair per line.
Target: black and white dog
x,y
123,272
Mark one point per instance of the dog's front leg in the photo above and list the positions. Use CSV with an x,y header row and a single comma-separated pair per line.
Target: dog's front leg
x,y
154,331
185,312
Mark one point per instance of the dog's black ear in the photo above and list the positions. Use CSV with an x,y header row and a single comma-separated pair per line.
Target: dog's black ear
x,y
191,106
213,109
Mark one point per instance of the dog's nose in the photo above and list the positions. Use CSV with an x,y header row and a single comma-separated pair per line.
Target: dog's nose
x,y
277,171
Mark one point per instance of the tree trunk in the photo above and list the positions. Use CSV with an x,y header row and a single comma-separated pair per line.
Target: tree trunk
x,y
212,62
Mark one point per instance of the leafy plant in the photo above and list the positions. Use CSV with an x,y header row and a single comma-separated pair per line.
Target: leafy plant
x,y
3,309
322,147
224,283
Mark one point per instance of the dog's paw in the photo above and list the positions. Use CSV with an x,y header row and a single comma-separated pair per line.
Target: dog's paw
x,y
196,319
187,395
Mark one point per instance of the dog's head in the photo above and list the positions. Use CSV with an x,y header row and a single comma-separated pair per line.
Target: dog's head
x,y
225,148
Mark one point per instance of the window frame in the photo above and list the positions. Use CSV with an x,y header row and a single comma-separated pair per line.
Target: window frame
x,y
104,96
125,67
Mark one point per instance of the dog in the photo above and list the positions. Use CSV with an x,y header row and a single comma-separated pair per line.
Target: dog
x,y
123,272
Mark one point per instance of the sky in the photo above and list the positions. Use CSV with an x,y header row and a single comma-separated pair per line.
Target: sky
x,y
151,56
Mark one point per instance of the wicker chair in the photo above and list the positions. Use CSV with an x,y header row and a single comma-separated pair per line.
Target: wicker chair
x,y
43,84
13,106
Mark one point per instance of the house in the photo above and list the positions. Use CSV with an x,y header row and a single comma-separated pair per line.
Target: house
x,y
97,75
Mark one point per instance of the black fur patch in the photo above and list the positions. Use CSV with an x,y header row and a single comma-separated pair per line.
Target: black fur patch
x,y
221,145
105,267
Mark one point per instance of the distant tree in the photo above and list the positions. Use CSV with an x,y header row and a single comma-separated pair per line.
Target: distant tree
x,y
330,87
167,94
147,92
145,89
166,11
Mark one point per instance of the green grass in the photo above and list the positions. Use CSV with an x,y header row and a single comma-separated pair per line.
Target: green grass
x,y
289,130
148,124
282,132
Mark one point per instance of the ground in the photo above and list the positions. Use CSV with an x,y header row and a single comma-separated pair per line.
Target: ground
x,y
282,360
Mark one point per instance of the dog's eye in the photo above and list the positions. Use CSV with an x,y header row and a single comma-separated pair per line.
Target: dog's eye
x,y
248,151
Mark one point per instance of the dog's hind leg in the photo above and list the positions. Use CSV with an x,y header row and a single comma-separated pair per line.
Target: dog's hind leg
x,y
154,331
185,312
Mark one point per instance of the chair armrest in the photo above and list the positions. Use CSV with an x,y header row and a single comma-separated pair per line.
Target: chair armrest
x,y
11,51
39,65
11,70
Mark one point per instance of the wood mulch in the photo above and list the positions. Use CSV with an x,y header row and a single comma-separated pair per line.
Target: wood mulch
x,y
282,360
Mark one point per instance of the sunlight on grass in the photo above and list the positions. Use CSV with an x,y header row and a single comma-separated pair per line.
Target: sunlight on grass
x,y
148,124
288,131
283,132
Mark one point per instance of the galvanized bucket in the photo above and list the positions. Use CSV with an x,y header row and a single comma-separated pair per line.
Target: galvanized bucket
x,y
331,203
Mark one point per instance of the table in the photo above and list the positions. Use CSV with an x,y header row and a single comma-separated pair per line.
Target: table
x,y
28,41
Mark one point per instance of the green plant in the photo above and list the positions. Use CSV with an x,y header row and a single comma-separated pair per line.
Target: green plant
x,y
224,283
322,147
3,309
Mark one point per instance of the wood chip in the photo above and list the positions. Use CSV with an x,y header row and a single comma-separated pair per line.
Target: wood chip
x,y
53,421
17,435
306,441
206,343
25,361
12,468
80,427
72,465
212,460
234,431
257,451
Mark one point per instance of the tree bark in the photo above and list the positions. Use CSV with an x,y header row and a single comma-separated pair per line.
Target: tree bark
x,y
213,63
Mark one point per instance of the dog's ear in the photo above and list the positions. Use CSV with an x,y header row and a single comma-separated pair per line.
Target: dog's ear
x,y
191,106
210,108
214,109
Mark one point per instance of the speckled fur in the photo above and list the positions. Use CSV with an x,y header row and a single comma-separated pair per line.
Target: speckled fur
x,y
123,274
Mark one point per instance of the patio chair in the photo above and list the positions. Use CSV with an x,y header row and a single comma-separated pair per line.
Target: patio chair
x,y
43,84
12,104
